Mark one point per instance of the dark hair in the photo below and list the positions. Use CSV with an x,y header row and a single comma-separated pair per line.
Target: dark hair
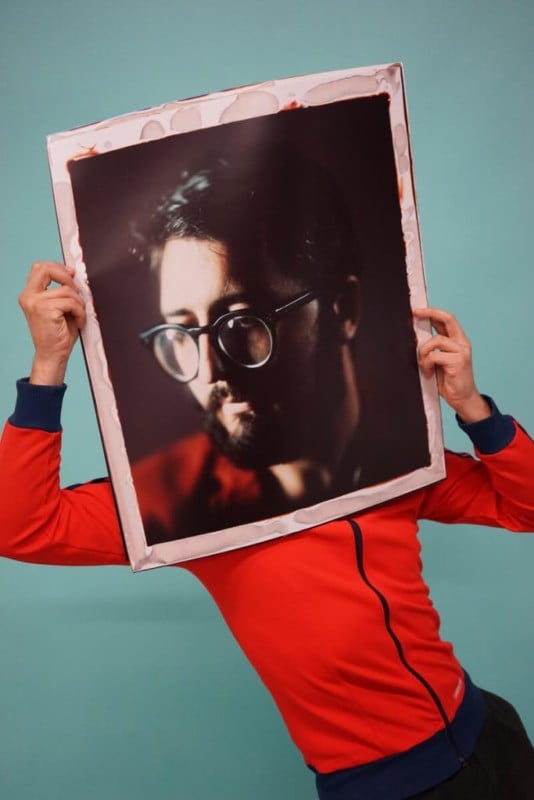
x,y
273,208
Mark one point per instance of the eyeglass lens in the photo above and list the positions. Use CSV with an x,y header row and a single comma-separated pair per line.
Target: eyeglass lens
x,y
177,353
246,340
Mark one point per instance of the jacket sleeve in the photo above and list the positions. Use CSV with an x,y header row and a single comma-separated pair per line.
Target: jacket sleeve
x,y
496,488
39,521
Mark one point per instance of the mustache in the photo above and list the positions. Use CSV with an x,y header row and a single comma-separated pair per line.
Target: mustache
x,y
222,392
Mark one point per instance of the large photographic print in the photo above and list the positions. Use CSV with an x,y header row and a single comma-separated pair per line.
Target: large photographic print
x,y
250,260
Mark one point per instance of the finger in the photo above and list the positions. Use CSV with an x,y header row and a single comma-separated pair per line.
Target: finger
x,y
443,321
63,306
437,358
426,314
47,308
43,273
58,291
39,302
66,303
440,342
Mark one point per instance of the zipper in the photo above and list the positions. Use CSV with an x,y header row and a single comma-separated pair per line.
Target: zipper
x,y
358,538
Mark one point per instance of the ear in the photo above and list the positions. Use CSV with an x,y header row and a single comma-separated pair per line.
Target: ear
x,y
346,307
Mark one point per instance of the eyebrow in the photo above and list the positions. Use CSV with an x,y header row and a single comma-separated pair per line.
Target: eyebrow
x,y
221,305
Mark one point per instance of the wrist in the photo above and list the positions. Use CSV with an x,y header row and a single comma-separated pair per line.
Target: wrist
x,y
46,372
473,409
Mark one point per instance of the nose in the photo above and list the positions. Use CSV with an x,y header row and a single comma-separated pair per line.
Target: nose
x,y
210,366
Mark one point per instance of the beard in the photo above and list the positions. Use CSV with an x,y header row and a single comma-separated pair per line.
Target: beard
x,y
261,440
285,425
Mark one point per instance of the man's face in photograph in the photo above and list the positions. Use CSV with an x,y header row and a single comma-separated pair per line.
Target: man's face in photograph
x,y
271,412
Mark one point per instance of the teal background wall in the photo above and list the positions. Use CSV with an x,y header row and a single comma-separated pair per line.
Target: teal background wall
x,y
116,686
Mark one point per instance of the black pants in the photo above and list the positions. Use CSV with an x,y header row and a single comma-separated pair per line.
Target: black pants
x,y
502,766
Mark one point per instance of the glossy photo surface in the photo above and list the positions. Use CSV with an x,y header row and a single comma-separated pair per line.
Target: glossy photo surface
x,y
250,260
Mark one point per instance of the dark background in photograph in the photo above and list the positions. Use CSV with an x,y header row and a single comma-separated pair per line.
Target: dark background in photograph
x,y
115,195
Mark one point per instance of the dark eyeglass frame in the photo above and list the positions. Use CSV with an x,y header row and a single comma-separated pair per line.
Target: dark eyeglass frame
x,y
212,330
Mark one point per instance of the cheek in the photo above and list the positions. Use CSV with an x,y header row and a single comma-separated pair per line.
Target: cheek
x,y
297,343
201,393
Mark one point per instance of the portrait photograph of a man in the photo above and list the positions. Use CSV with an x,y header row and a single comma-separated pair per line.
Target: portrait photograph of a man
x,y
250,285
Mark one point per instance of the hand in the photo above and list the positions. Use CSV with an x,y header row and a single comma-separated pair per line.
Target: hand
x,y
449,352
54,317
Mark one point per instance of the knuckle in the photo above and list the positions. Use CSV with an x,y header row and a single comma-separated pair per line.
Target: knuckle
x,y
29,304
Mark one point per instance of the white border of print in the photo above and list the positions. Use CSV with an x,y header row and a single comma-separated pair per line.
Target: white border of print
x,y
203,112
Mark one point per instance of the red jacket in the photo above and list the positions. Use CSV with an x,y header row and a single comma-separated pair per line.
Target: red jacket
x,y
337,620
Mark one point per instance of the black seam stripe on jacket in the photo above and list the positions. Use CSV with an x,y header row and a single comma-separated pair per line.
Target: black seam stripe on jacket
x,y
358,540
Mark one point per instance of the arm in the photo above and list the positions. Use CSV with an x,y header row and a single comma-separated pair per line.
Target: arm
x,y
496,488
39,522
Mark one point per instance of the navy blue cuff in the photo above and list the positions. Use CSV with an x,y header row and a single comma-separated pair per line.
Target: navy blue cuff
x,y
491,434
38,406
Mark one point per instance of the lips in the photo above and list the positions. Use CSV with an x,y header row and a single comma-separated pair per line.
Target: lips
x,y
233,408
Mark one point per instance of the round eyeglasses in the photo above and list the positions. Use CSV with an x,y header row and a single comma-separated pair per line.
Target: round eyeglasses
x,y
245,339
